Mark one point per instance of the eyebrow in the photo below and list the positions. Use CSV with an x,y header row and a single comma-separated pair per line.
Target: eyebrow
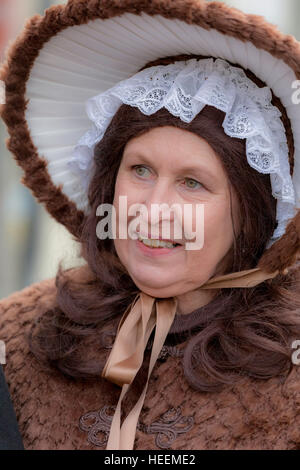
x,y
201,168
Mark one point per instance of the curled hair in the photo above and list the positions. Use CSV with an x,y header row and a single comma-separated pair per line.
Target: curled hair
x,y
242,331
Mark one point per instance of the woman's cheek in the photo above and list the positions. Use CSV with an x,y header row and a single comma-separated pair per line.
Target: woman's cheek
x,y
217,224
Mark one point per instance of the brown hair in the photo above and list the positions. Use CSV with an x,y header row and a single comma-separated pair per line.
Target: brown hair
x,y
240,332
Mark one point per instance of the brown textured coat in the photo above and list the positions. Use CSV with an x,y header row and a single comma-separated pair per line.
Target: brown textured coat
x,y
51,408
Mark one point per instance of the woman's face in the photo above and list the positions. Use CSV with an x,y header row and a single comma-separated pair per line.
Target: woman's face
x,y
174,166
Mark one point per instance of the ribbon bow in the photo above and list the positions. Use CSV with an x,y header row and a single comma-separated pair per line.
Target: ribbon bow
x,y
134,330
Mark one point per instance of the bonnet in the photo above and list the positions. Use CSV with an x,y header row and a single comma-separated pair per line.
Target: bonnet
x,y
70,70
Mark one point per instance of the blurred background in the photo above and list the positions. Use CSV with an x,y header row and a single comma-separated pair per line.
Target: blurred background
x,y
31,242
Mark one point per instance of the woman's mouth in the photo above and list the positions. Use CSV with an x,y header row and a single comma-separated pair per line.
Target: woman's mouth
x,y
155,247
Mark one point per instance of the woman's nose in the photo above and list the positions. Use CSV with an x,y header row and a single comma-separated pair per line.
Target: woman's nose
x,y
159,193
159,200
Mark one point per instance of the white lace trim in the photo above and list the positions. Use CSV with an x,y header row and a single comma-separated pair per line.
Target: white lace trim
x,y
184,88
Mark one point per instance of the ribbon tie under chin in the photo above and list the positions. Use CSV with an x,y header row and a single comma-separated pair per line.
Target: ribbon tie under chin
x,y
135,328
127,356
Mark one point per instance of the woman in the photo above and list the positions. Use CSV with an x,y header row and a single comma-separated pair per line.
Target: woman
x,y
217,323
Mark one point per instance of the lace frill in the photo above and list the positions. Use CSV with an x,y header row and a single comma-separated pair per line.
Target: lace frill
x,y
184,89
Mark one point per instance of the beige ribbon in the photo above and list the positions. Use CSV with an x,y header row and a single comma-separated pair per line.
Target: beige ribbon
x,y
134,330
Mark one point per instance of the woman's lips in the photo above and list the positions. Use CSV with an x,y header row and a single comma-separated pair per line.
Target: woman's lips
x,y
149,236
148,251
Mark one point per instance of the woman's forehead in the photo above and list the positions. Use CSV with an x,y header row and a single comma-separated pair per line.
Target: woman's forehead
x,y
169,145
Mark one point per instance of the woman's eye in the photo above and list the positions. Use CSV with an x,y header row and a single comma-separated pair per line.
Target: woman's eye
x,y
144,172
141,170
192,184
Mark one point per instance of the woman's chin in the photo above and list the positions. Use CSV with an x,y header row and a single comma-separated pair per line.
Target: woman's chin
x,y
156,287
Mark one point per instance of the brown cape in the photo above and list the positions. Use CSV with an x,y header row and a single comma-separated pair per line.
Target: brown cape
x,y
57,412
